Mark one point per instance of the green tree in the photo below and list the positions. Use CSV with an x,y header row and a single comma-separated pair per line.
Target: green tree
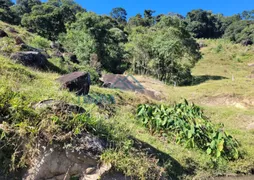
x,y
136,21
119,14
5,4
148,17
204,24
25,6
49,19
6,12
100,35
226,21
240,31
248,15
166,51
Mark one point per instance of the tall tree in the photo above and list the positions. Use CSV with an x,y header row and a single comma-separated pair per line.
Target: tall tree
x,y
25,6
166,51
148,17
50,19
5,4
93,34
6,13
204,24
136,21
248,15
119,14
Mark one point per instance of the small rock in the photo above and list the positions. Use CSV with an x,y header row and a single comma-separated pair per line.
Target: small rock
x,y
31,59
19,40
106,85
78,82
71,57
58,46
25,47
74,59
12,30
3,34
202,45
54,45
247,42
90,170
59,106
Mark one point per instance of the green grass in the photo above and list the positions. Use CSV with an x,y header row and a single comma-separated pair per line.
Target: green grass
x,y
220,100
224,101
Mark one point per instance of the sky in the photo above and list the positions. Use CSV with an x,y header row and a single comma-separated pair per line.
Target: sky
x,y
226,7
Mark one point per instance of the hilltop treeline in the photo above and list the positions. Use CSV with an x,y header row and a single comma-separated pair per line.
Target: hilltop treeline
x,y
162,46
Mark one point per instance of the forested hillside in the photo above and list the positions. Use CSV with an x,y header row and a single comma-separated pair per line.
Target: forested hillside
x,y
88,96
161,46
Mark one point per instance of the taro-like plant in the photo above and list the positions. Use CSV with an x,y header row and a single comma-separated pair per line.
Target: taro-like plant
x,y
186,123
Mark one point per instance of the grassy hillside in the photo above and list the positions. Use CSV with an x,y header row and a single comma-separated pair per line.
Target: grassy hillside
x,y
226,93
221,87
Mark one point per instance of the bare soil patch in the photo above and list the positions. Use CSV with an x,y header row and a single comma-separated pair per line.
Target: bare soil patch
x,y
228,100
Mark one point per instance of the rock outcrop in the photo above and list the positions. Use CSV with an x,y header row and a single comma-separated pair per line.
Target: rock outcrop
x,y
3,34
59,106
78,82
79,159
74,59
127,83
57,46
247,42
25,47
11,30
19,40
31,59
202,45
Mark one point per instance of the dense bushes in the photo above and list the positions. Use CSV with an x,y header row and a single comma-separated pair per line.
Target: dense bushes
x,y
203,24
186,124
240,31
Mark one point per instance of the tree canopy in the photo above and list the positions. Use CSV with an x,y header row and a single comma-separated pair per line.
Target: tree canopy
x,y
163,46
50,19
119,14
100,35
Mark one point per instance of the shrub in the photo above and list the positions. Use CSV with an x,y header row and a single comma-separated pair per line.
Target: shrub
x,y
39,42
187,124
219,48
7,45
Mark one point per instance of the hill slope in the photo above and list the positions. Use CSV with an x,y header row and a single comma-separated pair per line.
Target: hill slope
x,y
221,87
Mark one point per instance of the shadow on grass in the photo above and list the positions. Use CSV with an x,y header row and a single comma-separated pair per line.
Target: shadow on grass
x,y
201,79
53,68
173,168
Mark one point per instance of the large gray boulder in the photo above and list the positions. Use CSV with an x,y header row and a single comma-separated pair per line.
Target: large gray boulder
x,y
25,47
79,158
78,82
31,59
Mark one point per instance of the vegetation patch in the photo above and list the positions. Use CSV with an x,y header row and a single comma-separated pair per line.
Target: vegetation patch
x,y
186,124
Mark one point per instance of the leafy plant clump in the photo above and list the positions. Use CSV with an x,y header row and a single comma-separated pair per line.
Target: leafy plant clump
x,y
187,124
